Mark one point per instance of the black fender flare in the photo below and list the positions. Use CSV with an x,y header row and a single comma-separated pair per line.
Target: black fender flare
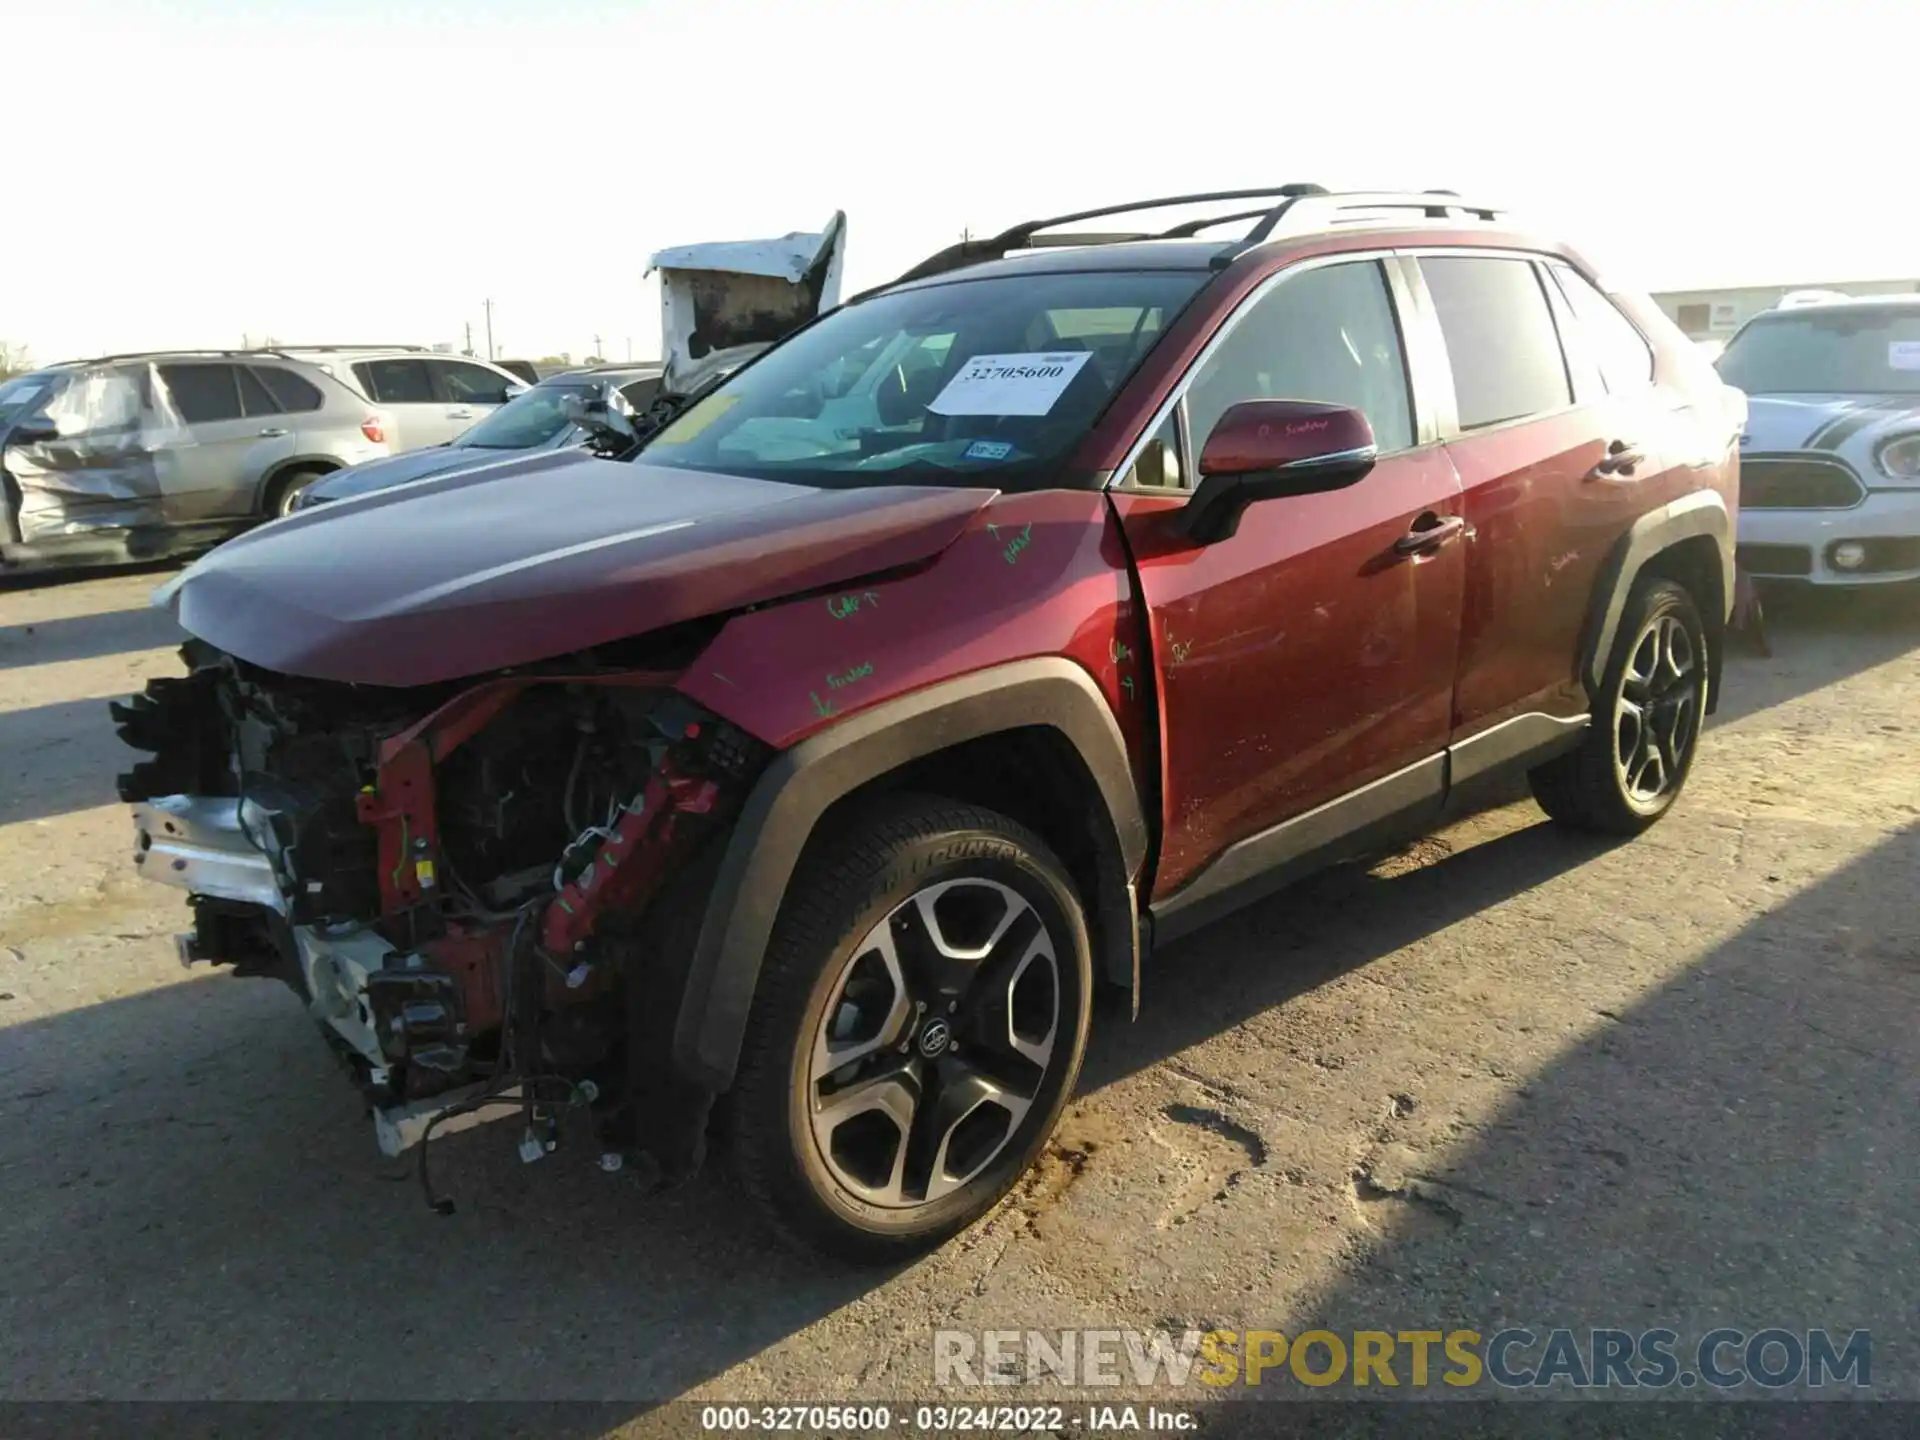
x,y
1704,512
798,786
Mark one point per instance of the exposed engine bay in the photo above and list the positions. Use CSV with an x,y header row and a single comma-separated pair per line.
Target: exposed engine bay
x,y
459,880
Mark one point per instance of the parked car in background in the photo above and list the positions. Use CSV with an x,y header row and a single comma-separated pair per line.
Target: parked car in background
x,y
533,421
1006,623
428,397
134,456
721,302
1830,458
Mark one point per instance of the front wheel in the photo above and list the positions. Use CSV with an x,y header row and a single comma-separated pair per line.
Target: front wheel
x,y
918,1028
1646,721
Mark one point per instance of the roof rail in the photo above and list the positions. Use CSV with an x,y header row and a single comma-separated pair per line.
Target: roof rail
x,y
1298,207
185,352
310,349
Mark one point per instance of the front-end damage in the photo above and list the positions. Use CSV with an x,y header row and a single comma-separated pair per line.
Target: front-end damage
x,y
459,880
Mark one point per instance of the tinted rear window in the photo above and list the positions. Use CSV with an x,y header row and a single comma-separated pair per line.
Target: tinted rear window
x,y
1500,337
396,382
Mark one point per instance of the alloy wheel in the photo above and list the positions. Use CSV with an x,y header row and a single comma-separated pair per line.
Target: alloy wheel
x,y
934,1043
1656,718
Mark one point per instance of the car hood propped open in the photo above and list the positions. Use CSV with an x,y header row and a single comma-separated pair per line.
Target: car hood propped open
x,y
476,571
724,302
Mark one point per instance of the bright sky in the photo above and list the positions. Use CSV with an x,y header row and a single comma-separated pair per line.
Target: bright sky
x,y
346,170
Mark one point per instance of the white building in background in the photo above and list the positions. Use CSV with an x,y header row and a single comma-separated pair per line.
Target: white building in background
x,y
1716,314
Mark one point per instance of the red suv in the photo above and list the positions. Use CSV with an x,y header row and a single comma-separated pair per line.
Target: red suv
x,y
817,761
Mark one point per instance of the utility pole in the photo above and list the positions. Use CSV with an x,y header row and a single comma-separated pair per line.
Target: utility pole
x,y
469,346
596,349
488,306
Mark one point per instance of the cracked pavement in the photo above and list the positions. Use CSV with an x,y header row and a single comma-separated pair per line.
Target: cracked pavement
x,y
1506,1076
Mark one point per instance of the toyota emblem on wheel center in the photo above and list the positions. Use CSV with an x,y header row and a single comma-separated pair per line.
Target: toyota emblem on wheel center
x,y
935,1038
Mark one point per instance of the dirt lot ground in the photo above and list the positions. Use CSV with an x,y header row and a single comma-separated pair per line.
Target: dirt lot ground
x,y
1507,1077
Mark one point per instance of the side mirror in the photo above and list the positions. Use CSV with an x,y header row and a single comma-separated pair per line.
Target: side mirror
x,y
513,392
32,432
1269,449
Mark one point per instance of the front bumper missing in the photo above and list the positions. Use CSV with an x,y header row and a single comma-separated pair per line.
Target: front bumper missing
x,y
197,844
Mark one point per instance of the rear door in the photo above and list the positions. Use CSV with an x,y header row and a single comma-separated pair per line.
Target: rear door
x,y
1305,666
468,392
403,388
213,468
1529,432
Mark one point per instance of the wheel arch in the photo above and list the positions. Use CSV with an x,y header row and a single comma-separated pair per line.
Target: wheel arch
x,y
1689,541
268,491
1058,757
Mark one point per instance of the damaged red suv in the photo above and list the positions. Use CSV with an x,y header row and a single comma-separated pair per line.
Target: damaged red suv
x,y
817,762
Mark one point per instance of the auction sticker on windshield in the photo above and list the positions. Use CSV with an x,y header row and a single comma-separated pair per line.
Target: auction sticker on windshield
x,y
1903,355
1010,384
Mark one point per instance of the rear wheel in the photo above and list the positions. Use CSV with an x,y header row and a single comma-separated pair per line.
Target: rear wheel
x,y
918,1027
1646,722
289,489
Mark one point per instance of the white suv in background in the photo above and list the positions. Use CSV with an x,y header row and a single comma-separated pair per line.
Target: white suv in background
x,y
427,398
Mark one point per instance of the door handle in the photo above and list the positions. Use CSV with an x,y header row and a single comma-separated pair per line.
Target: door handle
x,y
1430,532
463,413
1620,460
272,432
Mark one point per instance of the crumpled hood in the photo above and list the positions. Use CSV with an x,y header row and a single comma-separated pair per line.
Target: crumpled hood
x,y
1830,423
480,570
399,469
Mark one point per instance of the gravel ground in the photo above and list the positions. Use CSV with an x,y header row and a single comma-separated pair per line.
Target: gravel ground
x,y
1508,1076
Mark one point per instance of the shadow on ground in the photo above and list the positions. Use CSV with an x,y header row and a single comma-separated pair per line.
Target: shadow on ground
x,y
86,637
1737,1149
59,758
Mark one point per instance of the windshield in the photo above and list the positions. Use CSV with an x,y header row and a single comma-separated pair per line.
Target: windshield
x,y
985,380
524,421
1839,351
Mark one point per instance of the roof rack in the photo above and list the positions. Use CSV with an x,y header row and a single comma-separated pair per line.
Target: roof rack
x,y
316,349
187,351
1296,208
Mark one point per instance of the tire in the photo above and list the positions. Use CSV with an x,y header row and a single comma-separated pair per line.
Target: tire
x,y
288,489
1627,773
905,924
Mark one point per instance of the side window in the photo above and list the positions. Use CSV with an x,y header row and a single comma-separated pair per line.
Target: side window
x,y
397,382
254,398
1159,464
1626,360
203,394
469,384
1324,334
295,394
1500,338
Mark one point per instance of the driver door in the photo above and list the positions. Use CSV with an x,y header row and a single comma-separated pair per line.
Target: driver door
x,y
1305,664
